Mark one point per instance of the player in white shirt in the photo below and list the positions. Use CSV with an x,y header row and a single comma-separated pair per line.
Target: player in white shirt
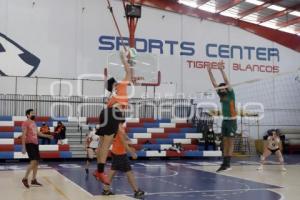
x,y
91,146
273,146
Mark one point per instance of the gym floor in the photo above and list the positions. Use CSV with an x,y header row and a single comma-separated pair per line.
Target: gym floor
x,y
161,179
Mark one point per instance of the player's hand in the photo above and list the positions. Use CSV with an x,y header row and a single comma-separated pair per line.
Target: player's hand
x,y
134,155
123,55
23,150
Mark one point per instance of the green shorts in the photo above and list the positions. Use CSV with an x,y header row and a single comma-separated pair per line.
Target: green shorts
x,y
229,128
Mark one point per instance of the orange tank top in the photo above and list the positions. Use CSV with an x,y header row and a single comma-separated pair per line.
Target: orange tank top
x,y
121,96
117,147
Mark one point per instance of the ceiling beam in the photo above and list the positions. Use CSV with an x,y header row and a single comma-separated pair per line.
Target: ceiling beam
x,y
289,22
228,5
258,8
280,13
291,41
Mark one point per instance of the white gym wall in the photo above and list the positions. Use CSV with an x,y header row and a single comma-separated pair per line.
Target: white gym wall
x,y
64,34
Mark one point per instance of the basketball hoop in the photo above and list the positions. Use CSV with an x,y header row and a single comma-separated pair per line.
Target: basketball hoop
x,y
133,13
144,66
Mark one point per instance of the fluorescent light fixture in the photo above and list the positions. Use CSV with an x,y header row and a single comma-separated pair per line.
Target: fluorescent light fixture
x,y
288,30
270,25
255,2
277,8
229,14
190,3
251,18
251,21
209,7
295,13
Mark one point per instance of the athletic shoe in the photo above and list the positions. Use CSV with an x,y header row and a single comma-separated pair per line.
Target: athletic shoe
x,y
35,183
228,169
222,168
261,167
107,192
139,194
87,170
101,177
25,182
283,169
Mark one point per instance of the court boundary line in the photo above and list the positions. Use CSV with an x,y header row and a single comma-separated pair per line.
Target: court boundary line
x,y
208,191
232,176
59,191
75,184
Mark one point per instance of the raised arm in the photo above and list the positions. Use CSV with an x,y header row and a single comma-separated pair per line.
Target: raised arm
x,y
212,78
224,76
128,70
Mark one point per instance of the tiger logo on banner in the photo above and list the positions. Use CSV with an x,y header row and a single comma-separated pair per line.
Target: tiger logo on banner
x,y
16,60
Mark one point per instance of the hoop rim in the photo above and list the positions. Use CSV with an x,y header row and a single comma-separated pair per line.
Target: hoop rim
x,y
138,84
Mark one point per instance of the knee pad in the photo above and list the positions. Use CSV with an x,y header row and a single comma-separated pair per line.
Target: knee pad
x,y
262,158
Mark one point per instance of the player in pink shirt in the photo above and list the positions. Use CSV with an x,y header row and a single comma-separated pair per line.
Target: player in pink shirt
x,y
30,145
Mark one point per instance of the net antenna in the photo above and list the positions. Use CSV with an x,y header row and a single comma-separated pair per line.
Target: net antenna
x,y
144,66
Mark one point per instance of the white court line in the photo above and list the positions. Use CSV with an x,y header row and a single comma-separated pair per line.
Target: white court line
x,y
88,193
146,165
57,189
282,197
145,175
116,196
75,184
228,175
179,192
217,163
207,191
